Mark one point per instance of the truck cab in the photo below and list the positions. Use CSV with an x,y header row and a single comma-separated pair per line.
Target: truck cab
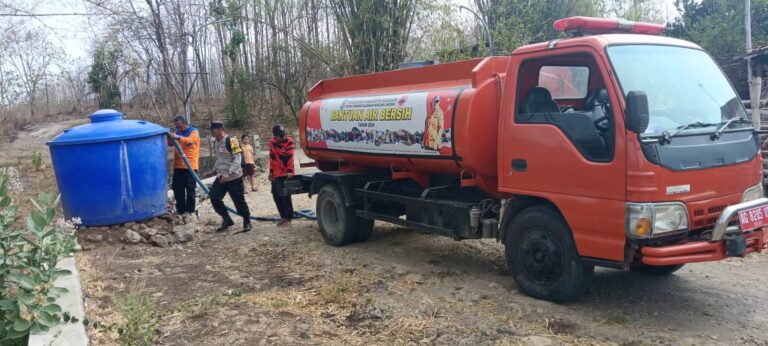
x,y
640,143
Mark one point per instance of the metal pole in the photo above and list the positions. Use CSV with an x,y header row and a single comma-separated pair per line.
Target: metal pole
x,y
748,27
485,27
750,78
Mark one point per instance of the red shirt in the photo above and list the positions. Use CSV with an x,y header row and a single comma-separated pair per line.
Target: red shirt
x,y
281,156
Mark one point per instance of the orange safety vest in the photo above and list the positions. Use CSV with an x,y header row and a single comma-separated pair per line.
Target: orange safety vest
x,y
190,144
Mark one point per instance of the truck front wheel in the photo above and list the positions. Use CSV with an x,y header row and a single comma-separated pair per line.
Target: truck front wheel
x,y
338,223
542,256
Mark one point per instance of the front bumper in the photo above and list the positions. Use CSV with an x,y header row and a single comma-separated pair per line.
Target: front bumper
x,y
725,241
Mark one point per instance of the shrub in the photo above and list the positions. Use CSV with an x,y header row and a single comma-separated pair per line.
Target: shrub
x,y
140,314
28,261
37,160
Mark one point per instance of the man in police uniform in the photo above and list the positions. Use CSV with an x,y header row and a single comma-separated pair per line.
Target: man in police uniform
x,y
229,178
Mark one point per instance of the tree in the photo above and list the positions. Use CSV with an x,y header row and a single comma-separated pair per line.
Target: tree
x,y
31,55
637,10
103,76
375,33
718,25
237,108
518,22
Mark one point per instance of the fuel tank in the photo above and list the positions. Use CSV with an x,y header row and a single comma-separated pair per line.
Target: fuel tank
x,y
418,122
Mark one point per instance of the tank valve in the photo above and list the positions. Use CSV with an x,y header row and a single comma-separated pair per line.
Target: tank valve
x,y
474,217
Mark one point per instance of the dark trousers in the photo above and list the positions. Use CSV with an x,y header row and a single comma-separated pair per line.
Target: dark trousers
x,y
236,193
284,203
183,185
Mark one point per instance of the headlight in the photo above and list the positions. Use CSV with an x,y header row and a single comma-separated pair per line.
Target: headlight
x,y
752,193
646,220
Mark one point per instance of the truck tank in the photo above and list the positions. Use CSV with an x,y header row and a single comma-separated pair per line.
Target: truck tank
x,y
417,122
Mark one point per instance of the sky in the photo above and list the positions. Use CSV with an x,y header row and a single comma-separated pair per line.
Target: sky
x,y
74,34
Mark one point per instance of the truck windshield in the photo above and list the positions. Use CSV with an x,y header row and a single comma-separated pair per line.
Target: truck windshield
x,y
686,90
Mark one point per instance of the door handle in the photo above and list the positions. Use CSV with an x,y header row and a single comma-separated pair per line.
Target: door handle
x,y
519,165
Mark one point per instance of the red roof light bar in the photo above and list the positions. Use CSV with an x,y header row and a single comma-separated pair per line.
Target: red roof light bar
x,y
592,25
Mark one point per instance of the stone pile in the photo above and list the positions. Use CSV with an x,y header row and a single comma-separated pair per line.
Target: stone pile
x,y
181,229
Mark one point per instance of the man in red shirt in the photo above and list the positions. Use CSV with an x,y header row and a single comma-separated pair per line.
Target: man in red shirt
x,y
281,149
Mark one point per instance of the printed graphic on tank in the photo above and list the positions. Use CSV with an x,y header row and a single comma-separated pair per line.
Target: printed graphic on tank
x,y
405,124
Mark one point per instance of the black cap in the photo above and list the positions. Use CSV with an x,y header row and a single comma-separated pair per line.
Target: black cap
x,y
278,131
217,125
180,118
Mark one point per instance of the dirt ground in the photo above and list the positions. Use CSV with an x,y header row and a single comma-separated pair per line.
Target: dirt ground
x,y
285,286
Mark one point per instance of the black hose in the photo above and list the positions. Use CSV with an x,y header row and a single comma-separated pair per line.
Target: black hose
x,y
305,214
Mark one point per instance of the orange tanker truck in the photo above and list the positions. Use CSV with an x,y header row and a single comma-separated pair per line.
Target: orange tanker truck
x,y
615,147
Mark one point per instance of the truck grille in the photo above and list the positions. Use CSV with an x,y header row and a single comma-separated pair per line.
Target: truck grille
x,y
706,217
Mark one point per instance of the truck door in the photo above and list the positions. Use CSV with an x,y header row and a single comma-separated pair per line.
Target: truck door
x,y
561,141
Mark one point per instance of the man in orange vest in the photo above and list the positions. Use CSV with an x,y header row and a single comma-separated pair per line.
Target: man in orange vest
x,y
182,183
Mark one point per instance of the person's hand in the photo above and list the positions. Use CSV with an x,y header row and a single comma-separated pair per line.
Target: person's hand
x,y
289,175
208,174
270,177
224,178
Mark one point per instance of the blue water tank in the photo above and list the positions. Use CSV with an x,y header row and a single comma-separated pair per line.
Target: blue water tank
x,y
111,171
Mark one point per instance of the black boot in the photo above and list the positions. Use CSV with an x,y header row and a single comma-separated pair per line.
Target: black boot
x,y
247,226
224,225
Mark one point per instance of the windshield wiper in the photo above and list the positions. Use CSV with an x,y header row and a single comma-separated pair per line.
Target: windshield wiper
x,y
721,129
666,137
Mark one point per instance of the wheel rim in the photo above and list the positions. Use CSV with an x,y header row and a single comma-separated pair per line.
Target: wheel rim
x,y
541,257
330,215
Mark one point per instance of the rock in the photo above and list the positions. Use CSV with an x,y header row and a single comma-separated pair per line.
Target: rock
x,y
444,339
189,219
185,228
208,268
159,330
95,238
160,241
505,330
304,335
183,235
537,341
131,237
147,232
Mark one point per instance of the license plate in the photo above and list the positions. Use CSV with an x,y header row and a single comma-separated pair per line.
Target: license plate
x,y
753,218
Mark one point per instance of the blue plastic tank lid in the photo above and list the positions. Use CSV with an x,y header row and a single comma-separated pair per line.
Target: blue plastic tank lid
x,y
107,125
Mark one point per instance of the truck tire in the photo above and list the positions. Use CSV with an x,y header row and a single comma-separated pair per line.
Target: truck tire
x,y
542,256
655,270
364,229
337,222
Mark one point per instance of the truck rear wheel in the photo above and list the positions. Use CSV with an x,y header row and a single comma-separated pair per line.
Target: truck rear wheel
x,y
655,270
338,223
542,256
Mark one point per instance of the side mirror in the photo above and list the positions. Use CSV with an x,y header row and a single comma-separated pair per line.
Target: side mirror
x,y
636,112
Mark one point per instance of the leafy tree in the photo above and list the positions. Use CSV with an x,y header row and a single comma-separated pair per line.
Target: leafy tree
x,y
718,25
103,76
518,22
636,10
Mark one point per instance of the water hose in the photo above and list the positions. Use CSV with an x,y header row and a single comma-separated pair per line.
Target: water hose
x,y
301,214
